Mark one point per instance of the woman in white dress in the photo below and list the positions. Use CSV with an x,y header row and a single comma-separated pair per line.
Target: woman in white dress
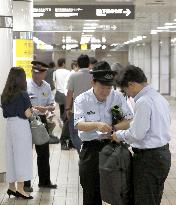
x,y
16,107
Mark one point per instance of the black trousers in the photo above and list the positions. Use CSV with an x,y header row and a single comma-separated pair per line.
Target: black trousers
x,y
89,172
150,170
42,160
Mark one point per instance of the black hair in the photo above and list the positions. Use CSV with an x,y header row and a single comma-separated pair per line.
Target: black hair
x,y
131,74
74,63
83,61
102,65
93,60
52,64
15,84
60,62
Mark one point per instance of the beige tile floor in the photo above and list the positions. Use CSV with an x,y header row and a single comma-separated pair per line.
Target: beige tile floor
x,y
64,172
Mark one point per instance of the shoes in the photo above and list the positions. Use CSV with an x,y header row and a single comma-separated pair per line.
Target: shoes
x,y
10,192
50,186
28,189
54,140
19,195
64,147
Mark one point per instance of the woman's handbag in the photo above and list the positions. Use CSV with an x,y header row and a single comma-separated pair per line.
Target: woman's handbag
x,y
40,135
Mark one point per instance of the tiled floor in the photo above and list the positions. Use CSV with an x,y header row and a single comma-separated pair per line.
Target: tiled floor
x,y
64,172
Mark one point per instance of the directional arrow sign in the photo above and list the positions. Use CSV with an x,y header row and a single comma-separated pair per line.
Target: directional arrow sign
x,y
127,12
114,27
84,12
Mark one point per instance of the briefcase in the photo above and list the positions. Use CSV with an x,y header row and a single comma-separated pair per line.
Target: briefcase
x,y
39,133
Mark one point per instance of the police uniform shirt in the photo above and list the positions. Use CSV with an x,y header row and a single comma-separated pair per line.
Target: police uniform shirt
x,y
88,109
39,95
151,123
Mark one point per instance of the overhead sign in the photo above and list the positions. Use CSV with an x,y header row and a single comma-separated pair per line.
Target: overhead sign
x,y
84,12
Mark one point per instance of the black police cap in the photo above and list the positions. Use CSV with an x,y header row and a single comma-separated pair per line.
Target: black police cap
x,y
39,66
102,73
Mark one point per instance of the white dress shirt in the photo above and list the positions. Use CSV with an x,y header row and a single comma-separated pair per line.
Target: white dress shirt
x,y
88,109
150,127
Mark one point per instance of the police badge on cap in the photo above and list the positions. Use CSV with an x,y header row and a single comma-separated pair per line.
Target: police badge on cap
x,y
102,73
38,66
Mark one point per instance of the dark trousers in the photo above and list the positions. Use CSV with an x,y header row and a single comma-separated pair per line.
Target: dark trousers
x,y
42,160
89,172
150,170
76,141
62,111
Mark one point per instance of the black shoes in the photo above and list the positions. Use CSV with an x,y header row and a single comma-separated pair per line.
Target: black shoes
x,y
64,147
19,195
50,186
28,189
10,192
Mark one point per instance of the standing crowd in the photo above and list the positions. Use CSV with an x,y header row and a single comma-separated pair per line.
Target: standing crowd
x,y
85,96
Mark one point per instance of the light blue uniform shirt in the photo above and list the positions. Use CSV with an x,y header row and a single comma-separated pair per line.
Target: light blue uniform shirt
x,y
151,123
39,95
88,109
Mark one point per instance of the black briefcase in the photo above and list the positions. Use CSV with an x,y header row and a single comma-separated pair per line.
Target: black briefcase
x,y
115,174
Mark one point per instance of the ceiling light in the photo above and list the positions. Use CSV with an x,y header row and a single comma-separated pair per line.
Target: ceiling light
x,y
103,47
103,39
90,24
89,27
153,32
89,31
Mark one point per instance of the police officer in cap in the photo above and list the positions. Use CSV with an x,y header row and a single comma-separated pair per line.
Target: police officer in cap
x,y
92,117
42,100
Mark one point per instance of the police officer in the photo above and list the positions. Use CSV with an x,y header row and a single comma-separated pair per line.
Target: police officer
x,y
148,135
92,117
43,101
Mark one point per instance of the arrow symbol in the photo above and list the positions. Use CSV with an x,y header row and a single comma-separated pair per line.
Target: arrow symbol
x,y
114,27
127,12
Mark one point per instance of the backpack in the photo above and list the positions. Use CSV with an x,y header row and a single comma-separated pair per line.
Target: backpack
x,y
115,174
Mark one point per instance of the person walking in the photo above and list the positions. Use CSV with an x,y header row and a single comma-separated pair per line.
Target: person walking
x,y
78,83
16,108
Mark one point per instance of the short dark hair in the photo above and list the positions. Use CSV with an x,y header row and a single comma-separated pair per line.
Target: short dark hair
x,y
60,62
74,63
93,60
131,74
16,83
52,64
83,61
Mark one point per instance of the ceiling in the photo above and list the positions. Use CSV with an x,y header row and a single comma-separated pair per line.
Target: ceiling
x,y
149,14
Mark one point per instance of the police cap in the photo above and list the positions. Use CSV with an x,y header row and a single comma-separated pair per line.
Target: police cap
x,y
38,66
102,73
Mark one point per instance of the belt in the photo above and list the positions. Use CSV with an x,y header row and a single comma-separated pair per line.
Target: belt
x,y
95,142
137,150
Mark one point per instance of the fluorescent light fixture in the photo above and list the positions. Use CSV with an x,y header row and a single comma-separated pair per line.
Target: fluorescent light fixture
x,y
153,32
103,39
92,20
144,36
90,24
103,47
89,27
169,24
91,31
161,27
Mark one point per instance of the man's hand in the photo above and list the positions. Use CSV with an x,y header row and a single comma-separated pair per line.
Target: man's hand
x,y
115,137
103,127
41,109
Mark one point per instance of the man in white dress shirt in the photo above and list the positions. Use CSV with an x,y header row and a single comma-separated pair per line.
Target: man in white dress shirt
x,y
93,119
148,135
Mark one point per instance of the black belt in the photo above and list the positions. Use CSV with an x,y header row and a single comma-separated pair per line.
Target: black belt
x,y
137,150
95,142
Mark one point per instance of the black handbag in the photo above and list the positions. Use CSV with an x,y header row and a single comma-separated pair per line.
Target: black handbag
x,y
115,174
39,133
